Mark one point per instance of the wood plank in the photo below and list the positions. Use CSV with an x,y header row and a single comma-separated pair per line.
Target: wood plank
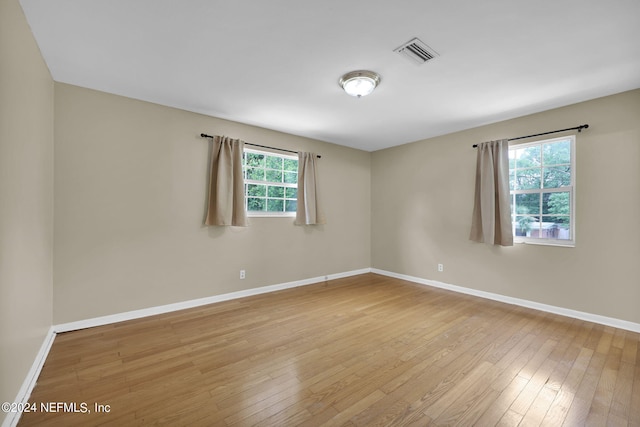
x,y
500,405
353,410
603,396
564,398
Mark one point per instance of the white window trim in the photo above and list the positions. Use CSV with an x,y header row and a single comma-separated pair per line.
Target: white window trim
x,y
261,214
572,192
265,214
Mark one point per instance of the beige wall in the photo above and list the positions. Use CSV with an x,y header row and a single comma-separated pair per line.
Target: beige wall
x,y
130,186
422,205
26,199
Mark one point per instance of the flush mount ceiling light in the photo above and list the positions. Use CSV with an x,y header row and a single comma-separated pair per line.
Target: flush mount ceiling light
x,y
359,83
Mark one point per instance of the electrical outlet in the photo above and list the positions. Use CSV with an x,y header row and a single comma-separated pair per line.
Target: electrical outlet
x,y
243,274
440,267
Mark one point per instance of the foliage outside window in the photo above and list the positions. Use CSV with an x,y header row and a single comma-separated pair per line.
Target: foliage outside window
x,y
270,183
542,188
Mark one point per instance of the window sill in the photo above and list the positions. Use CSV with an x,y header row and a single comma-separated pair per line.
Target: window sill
x,y
563,244
271,215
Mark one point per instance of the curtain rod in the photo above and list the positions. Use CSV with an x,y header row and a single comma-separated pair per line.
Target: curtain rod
x,y
204,135
578,128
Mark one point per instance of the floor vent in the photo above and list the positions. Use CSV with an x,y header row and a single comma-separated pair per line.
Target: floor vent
x,y
417,51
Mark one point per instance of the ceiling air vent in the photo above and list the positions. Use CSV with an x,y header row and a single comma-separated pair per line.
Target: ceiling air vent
x,y
417,51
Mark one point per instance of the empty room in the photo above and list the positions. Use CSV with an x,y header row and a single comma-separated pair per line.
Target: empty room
x,y
319,213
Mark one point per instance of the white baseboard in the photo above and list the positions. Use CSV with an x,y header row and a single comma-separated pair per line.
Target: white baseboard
x,y
12,418
595,318
152,311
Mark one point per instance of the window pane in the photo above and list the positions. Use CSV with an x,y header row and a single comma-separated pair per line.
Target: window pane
x,y
255,159
291,193
527,179
557,176
524,224
255,174
276,192
528,157
535,229
274,162
512,159
555,228
557,153
291,205
275,205
274,176
256,190
255,204
291,165
291,177
528,204
556,203
512,179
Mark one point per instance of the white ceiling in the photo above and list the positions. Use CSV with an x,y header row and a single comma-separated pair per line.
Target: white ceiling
x,y
277,63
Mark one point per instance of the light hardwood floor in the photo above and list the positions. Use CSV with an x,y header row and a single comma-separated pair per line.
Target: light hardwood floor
x,y
362,351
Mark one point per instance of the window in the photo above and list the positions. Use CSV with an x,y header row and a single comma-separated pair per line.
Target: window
x,y
542,188
270,183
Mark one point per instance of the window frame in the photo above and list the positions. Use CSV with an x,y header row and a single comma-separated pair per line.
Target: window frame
x,y
247,182
571,189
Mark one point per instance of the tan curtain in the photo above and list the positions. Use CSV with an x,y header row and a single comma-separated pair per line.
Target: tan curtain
x,y
226,183
308,210
492,212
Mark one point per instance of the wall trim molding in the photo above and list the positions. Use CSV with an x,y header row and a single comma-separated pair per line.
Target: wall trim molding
x,y
161,309
12,418
589,317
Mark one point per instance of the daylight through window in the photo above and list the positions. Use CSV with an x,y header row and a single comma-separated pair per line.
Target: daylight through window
x,y
542,188
270,183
